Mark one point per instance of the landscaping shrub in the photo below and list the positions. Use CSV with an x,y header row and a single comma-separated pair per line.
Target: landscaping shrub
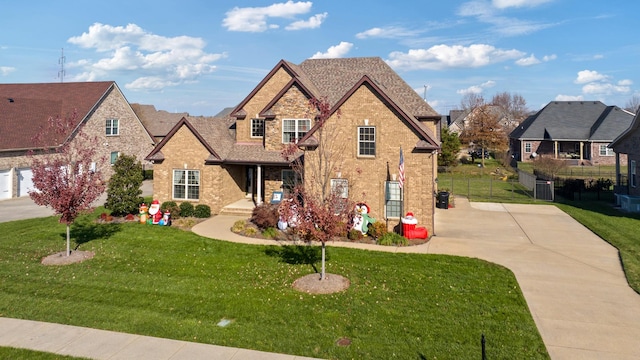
x,y
202,211
354,234
265,216
392,238
172,207
186,209
123,192
270,233
377,229
239,226
250,231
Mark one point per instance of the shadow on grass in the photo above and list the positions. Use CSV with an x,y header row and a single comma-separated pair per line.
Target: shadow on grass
x,y
85,229
297,254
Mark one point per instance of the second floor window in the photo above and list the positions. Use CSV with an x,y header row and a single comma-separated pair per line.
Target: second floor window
x,y
294,129
257,128
112,127
366,141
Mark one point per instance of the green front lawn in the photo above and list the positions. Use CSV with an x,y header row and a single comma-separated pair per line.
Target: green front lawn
x,y
20,354
170,283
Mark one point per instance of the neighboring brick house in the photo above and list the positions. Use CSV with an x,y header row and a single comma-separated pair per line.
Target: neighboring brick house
x,y
217,161
571,130
628,143
101,109
157,122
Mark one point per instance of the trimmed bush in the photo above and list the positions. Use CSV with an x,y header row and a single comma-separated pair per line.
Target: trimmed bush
x,y
202,211
265,216
354,234
123,192
239,226
377,229
270,233
172,207
186,209
392,238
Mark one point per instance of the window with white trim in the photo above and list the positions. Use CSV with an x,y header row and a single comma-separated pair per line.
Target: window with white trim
x,y
112,127
294,129
114,157
366,141
527,147
257,128
393,200
632,173
289,180
606,151
186,184
340,187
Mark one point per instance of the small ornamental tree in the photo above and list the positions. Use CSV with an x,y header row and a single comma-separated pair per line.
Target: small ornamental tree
x,y
124,192
319,210
484,130
64,177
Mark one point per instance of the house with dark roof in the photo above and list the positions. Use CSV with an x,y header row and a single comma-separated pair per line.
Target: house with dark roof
x,y
157,122
373,114
627,189
571,130
101,110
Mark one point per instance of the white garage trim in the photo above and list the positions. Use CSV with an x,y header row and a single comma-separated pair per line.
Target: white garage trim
x,y
25,181
6,185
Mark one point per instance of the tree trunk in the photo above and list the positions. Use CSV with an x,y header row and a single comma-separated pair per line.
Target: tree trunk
x,y
68,241
322,273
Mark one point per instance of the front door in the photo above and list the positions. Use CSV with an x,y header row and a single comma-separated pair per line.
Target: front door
x,y
250,181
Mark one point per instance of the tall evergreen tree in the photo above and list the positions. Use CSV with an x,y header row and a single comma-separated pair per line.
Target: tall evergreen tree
x,y
450,148
124,189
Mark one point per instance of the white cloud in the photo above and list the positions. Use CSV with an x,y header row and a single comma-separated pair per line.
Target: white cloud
x,y
596,88
158,60
503,4
549,57
477,89
441,57
587,76
313,22
254,19
569,98
335,51
388,32
6,70
528,61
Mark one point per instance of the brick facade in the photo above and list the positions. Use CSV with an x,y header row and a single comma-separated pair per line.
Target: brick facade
x,y
133,139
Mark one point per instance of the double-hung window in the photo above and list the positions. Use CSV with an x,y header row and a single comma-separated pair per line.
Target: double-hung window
x,y
366,141
186,184
294,129
114,157
606,151
527,147
112,127
632,173
257,128
393,199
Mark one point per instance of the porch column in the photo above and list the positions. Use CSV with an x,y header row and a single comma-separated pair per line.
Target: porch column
x,y
555,148
259,184
618,169
581,150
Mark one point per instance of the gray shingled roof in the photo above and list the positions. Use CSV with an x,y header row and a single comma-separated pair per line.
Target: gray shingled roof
x,y
574,121
157,122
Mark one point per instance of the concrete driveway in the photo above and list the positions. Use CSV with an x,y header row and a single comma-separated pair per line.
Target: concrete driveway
x,y
24,208
572,280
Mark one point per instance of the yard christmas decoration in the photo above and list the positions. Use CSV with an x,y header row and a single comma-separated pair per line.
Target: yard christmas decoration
x,y
65,178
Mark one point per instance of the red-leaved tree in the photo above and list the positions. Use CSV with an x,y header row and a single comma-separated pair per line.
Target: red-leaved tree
x,y
65,177
318,211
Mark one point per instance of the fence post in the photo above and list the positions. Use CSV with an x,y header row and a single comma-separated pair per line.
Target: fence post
x,y
469,189
483,342
490,187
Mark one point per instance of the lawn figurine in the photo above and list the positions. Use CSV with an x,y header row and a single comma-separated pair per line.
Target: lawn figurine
x,y
409,229
362,220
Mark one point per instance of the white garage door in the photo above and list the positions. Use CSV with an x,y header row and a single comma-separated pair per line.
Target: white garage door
x,y
5,184
25,181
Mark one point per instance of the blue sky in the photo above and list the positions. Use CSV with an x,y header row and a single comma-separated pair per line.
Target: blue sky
x,y
201,56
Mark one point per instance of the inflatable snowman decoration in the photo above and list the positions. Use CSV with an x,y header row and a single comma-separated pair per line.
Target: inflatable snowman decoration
x,y
362,220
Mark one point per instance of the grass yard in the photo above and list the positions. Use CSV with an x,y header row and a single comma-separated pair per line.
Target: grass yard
x,y
170,283
20,354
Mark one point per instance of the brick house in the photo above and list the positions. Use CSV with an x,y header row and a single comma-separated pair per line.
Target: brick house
x,y
628,143
374,113
571,130
101,109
